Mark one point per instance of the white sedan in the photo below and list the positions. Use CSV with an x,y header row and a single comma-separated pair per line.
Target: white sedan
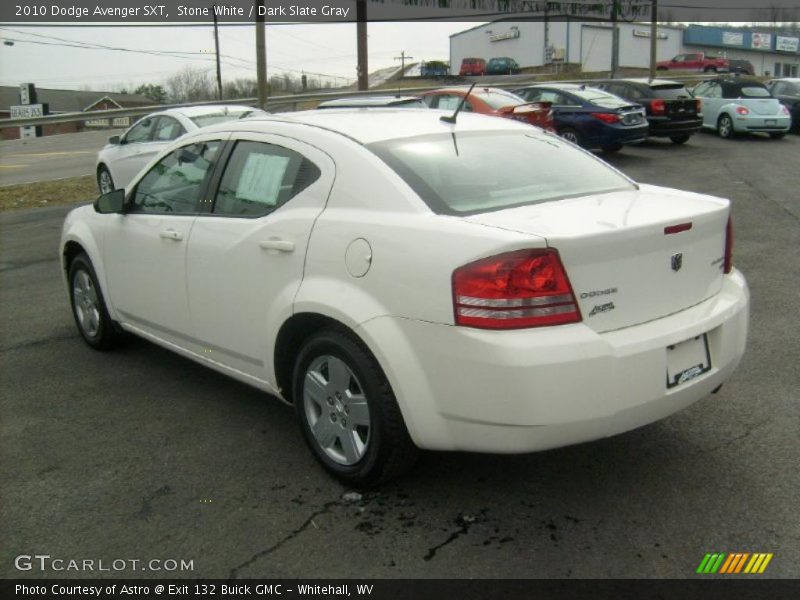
x,y
124,156
734,105
406,282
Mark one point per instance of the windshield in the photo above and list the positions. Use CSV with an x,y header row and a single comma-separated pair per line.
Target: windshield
x,y
474,172
499,99
222,117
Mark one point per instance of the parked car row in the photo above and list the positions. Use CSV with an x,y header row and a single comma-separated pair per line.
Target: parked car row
x,y
604,116
499,65
414,279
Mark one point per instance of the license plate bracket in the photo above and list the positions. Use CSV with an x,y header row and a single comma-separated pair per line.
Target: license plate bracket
x,y
771,121
687,360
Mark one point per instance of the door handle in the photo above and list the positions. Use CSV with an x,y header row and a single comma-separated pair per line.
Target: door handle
x,y
171,234
279,245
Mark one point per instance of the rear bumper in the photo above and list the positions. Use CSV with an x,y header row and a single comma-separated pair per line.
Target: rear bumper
x,y
762,124
519,391
665,127
612,135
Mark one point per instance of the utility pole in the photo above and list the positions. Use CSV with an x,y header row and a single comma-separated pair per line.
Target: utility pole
x,y
653,37
361,41
261,54
216,48
614,38
402,58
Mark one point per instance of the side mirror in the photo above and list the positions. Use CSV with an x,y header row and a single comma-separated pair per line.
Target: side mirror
x,y
110,203
114,139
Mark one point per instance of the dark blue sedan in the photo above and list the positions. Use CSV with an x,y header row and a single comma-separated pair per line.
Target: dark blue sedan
x,y
590,117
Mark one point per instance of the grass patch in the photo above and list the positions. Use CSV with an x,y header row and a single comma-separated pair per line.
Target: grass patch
x,y
48,193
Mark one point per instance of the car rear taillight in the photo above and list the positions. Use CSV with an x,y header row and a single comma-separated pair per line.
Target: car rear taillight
x,y
607,117
785,110
742,110
728,265
698,105
525,288
658,106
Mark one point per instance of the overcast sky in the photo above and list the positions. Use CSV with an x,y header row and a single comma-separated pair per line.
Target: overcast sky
x,y
328,49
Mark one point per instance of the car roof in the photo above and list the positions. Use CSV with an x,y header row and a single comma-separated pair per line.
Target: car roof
x,y
646,81
789,79
207,109
559,86
377,125
369,101
483,89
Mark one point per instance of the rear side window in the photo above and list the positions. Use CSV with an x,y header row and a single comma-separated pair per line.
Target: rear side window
x,y
261,177
475,172
747,91
499,99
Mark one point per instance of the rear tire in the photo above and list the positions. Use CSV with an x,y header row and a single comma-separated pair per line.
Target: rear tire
x,y
680,139
710,70
725,127
347,411
89,308
571,135
777,135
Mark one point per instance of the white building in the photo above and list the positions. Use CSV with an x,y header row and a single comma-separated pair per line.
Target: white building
x,y
587,44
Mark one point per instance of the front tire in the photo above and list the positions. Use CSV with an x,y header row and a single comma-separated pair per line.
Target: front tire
x,y
571,135
710,70
105,183
347,411
725,127
680,139
88,307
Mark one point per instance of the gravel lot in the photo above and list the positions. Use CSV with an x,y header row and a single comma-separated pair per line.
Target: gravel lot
x,y
142,454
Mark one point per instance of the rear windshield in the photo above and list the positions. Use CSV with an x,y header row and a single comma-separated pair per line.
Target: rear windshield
x,y
499,99
477,171
599,97
671,92
222,117
749,91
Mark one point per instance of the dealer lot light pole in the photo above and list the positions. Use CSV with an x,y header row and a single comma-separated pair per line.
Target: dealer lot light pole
x,y
261,54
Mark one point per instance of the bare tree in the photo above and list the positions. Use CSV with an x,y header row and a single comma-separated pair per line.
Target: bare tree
x,y
190,85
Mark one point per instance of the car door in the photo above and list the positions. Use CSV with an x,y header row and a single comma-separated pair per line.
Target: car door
x,y
692,62
144,250
246,256
712,103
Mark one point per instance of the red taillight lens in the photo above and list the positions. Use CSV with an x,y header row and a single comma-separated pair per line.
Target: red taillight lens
x,y
699,105
607,117
526,288
785,110
658,106
742,110
728,265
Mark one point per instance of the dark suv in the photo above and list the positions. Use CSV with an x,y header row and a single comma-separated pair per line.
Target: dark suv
x,y
502,65
741,66
671,110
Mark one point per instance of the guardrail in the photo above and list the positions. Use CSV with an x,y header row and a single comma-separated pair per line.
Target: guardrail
x,y
275,102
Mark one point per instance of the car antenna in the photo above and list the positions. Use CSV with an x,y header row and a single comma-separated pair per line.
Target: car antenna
x,y
452,118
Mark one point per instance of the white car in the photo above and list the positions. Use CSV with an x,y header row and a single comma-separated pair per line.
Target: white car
x,y
408,283
125,155
735,105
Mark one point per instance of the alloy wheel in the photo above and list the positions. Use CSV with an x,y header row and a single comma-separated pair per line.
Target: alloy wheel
x,y
85,302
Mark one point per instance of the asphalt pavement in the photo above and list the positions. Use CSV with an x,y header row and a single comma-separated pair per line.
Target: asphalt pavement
x,y
51,157
141,454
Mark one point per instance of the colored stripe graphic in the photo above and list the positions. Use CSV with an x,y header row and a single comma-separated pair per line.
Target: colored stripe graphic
x,y
734,563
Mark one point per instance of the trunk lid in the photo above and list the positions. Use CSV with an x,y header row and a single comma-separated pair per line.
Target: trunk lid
x,y
681,109
623,267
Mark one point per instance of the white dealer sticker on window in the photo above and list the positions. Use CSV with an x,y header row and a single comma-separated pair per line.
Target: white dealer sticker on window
x,y
261,178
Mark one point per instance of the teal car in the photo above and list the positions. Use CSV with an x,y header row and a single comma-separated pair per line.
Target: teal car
x,y
502,65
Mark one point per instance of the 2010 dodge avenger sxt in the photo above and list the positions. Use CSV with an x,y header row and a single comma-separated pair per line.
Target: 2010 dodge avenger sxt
x,y
408,282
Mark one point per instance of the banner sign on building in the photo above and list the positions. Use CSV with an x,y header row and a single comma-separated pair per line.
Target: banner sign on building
x,y
787,44
508,35
761,41
645,33
731,38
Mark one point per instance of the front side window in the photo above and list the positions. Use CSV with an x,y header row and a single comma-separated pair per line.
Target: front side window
x,y
142,131
261,177
474,172
175,184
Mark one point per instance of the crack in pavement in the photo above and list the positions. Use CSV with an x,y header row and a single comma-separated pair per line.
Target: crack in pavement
x,y
464,522
738,176
735,439
40,342
326,508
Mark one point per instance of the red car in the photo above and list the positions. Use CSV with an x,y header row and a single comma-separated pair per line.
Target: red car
x,y
473,66
492,101
695,61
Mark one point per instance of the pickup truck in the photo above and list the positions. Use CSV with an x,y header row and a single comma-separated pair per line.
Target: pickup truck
x,y
695,61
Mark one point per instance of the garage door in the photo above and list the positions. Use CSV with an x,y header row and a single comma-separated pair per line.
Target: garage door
x,y
596,49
